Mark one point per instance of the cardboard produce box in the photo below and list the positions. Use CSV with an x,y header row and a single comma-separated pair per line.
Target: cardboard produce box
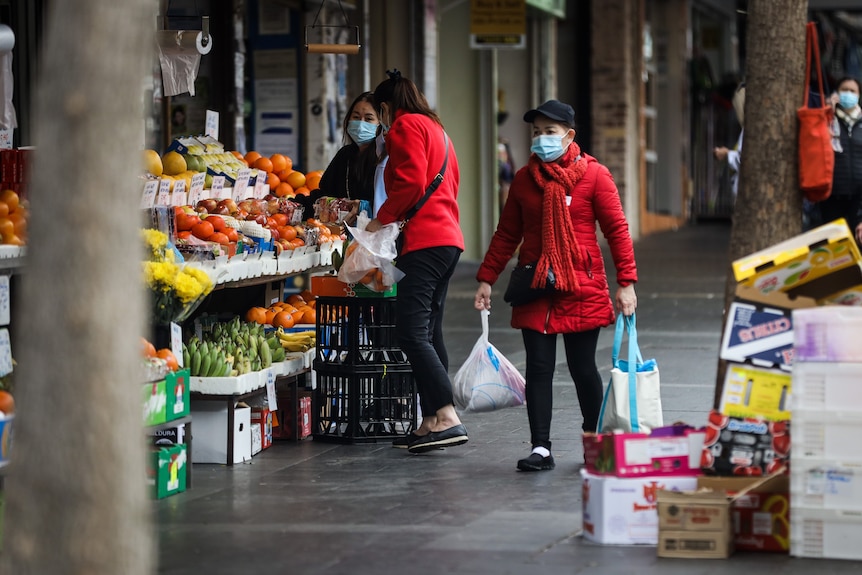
x,y
166,472
818,264
744,446
211,433
671,450
177,394
828,334
155,402
700,524
261,418
622,511
760,334
756,392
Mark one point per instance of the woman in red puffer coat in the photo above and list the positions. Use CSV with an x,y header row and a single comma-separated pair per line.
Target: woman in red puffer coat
x,y
553,206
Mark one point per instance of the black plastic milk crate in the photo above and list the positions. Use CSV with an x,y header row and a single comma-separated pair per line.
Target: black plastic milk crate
x,y
364,404
357,331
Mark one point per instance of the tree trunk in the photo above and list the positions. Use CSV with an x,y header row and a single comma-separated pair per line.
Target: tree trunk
x,y
769,204
76,490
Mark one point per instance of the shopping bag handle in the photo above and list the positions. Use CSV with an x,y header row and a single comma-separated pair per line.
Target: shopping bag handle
x,y
627,323
485,331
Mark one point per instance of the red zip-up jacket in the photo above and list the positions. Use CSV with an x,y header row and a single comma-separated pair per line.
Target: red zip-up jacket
x,y
416,151
594,198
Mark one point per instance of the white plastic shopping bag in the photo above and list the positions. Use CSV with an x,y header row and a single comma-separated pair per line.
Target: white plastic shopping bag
x,y
632,402
487,380
369,257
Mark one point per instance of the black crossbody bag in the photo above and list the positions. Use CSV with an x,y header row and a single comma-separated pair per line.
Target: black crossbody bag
x,y
435,183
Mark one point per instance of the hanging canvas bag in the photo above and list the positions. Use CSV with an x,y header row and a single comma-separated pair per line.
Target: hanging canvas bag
x,y
632,402
816,156
487,380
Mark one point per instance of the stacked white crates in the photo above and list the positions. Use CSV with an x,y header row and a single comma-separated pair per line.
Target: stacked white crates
x,y
826,464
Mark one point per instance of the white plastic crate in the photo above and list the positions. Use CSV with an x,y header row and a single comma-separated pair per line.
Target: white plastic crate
x,y
827,333
827,387
825,533
831,435
826,484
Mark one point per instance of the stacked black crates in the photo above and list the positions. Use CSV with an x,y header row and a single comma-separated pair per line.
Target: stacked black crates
x,y
365,389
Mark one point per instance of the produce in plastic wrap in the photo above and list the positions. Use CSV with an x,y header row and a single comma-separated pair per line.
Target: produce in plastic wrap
x,y
368,258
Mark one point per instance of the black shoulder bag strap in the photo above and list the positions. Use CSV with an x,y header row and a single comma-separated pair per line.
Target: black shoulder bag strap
x,y
435,183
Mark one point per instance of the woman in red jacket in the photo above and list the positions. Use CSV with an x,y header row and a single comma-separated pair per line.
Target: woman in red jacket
x,y
419,150
553,206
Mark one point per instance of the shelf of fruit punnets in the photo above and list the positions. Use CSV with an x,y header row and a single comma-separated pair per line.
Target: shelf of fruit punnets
x,y
234,214
13,228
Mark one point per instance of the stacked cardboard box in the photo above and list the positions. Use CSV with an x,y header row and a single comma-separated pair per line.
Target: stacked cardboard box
x,y
826,477
623,474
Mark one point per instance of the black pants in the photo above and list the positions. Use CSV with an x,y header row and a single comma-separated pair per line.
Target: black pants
x,y
835,207
541,361
421,298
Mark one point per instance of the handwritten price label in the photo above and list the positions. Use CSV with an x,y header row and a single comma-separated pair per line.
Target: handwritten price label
x,y
179,196
217,187
196,194
148,200
240,187
260,185
164,198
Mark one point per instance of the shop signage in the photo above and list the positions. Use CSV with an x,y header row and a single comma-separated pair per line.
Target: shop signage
x,y
498,23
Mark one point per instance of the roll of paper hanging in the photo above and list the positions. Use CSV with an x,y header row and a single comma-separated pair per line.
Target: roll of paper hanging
x,y
7,39
186,39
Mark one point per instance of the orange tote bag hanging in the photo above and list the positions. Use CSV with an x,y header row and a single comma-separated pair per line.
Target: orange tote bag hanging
x,y
816,157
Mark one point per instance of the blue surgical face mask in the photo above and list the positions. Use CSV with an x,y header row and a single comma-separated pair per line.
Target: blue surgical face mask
x,y
848,100
361,132
548,147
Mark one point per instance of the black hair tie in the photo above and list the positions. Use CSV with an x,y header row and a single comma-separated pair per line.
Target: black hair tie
x,y
393,74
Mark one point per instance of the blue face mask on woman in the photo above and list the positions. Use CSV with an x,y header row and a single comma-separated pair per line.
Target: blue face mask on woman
x,y
848,100
361,132
548,147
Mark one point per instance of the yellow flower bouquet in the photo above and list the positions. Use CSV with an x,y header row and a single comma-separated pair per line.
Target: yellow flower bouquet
x,y
176,290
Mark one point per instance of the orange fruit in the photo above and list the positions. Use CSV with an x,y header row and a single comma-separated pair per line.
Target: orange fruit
x,y
310,316
283,319
282,175
279,162
295,299
7,228
273,181
256,315
283,189
297,242
302,191
297,315
169,357
295,179
148,349
237,155
280,219
270,314
264,164
286,232
7,403
10,198
14,240
4,209
251,157
20,222
312,180
307,295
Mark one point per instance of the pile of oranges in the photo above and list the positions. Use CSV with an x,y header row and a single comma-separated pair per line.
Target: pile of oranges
x,y
13,219
298,309
283,180
148,350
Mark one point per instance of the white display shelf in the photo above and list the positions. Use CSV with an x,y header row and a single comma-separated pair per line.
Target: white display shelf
x,y
294,364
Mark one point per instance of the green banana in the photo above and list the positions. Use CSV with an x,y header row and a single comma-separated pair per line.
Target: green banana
x,y
187,357
252,346
195,364
265,353
278,354
206,360
255,364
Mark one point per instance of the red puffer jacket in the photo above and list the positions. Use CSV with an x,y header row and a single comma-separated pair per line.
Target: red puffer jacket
x,y
594,198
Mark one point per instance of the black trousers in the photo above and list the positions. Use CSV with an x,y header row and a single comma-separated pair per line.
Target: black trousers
x,y
541,360
421,299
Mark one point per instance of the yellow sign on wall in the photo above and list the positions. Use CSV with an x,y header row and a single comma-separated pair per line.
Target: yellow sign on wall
x,y
498,23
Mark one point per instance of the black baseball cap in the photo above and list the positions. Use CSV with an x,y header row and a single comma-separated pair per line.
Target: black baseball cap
x,y
555,110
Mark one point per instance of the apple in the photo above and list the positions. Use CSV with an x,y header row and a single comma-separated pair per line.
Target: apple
x,y
275,234
258,218
229,204
208,204
221,210
245,205
272,205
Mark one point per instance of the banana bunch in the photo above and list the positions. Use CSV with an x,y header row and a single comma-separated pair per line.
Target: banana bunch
x,y
296,341
206,359
244,345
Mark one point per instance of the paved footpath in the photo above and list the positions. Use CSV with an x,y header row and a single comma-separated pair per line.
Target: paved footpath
x,y
319,508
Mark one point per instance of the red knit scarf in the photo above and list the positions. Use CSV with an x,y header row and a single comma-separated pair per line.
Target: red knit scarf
x,y
559,244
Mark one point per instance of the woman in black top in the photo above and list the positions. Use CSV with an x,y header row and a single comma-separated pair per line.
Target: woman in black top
x,y
350,174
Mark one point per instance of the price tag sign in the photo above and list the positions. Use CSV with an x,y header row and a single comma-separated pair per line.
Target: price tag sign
x,y
260,185
5,353
240,187
148,200
196,194
177,342
270,390
211,127
179,196
164,198
5,306
5,139
217,187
